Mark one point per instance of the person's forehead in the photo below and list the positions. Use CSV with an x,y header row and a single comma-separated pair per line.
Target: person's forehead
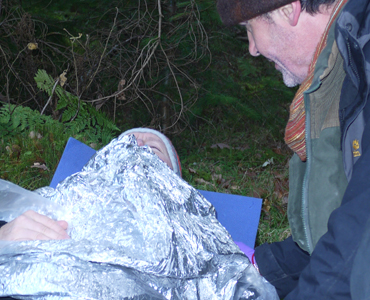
x,y
149,137
146,135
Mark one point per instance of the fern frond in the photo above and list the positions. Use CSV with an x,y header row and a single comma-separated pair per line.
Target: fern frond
x,y
79,118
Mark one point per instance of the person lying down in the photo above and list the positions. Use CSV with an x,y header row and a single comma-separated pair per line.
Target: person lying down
x,y
34,226
136,231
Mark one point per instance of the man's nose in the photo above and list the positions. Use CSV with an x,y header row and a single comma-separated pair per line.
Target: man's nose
x,y
140,142
252,46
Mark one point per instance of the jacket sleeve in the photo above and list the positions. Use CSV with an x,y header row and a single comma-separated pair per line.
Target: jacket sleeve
x,y
327,275
281,263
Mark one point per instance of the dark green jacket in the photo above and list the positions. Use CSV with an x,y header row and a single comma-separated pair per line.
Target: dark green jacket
x,y
316,187
335,268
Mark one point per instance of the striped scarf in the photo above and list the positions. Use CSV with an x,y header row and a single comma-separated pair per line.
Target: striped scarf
x,y
295,130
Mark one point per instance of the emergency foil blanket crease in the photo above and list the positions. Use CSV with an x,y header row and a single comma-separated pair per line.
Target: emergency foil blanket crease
x,y
138,231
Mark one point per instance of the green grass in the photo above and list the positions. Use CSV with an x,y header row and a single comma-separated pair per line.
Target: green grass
x,y
229,161
30,162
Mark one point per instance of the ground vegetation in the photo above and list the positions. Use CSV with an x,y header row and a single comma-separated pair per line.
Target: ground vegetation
x,y
91,69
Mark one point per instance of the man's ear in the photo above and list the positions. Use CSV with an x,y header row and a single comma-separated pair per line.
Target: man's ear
x,y
291,12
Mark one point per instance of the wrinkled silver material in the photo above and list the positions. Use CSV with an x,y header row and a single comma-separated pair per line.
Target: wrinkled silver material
x,y
138,232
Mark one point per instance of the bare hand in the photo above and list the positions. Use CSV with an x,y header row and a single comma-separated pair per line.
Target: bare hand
x,y
33,226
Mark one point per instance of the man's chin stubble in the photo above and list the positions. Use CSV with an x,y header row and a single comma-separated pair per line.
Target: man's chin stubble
x,y
289,79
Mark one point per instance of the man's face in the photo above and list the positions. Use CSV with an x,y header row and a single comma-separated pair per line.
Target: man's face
x,y
279,44
155,143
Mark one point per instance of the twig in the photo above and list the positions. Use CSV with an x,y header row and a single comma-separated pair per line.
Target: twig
x,y
177,86
73,39
105,49
78,109
13,71
51,96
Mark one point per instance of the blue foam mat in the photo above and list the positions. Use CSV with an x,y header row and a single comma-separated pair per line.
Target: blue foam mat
x,y
238,214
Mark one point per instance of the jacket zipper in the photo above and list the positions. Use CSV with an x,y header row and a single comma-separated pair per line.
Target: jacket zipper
x,y
304,209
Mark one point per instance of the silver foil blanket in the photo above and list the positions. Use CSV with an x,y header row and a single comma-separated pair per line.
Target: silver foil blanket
x,y
138,231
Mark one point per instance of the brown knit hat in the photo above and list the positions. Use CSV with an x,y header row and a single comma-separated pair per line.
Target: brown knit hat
x,y
233,12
